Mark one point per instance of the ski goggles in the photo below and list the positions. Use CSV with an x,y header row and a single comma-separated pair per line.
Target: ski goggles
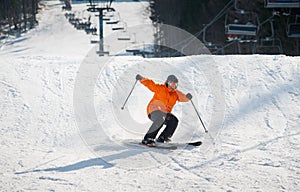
x,y
172,85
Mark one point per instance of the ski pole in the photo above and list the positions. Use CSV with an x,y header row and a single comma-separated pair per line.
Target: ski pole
x,y
206,131
129,95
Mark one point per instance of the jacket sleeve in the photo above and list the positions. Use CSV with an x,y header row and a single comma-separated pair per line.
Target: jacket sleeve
x,y
181,96
150,84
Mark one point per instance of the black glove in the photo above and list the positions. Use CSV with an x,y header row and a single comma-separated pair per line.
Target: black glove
x,y
138,77
189,96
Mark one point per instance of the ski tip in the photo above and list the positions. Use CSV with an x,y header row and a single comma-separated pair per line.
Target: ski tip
x,y
197,143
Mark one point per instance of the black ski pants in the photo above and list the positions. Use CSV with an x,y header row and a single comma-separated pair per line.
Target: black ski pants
x,y
159,119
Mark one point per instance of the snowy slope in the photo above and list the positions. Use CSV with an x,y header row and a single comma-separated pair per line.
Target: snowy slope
x,y
62,127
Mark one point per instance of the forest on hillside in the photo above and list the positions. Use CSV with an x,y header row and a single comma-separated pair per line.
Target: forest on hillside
x,y
17,16
208,19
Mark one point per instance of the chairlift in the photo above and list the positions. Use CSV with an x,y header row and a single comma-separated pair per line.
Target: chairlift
x,y
112,22
282,3
119,26
293,27
135,50
108,15
143,50
241,29
116,28
214,48
124,36
114,19
269,45
94,41
106,18
93,9
247,41
293,30
240,22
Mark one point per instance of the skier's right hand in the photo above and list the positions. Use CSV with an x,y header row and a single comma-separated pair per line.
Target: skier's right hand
x,y
138,77
189,96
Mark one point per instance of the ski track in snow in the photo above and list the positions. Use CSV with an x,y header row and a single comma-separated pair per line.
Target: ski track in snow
x,y
42,149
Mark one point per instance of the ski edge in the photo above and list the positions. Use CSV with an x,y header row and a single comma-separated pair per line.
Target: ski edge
x,y
171,147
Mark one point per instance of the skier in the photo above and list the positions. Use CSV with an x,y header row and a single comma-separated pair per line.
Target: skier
x,y
159,108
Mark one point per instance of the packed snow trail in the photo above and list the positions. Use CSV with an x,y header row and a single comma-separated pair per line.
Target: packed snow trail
x,y
256,148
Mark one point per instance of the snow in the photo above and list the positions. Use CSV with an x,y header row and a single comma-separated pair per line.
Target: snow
x,y
62,127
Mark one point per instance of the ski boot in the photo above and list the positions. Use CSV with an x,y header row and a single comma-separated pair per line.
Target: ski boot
x,y
149,142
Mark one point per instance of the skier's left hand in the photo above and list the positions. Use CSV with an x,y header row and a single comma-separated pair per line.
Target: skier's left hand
x,y
189,96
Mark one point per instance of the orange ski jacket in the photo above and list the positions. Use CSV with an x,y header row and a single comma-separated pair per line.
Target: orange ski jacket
x,y
164,98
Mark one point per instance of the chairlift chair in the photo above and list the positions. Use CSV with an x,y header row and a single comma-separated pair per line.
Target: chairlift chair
x,y
241,29
293,26
93,9
124,36
293,30
108,15
241,23
269,45
112,22
282,3
106,18
135,50
114,19
119,26
116,28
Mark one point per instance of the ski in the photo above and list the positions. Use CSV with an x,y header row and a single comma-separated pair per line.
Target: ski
x,y
183,145
196,143
167,146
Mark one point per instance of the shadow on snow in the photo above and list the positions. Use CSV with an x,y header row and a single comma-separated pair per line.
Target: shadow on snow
x,y
103,162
